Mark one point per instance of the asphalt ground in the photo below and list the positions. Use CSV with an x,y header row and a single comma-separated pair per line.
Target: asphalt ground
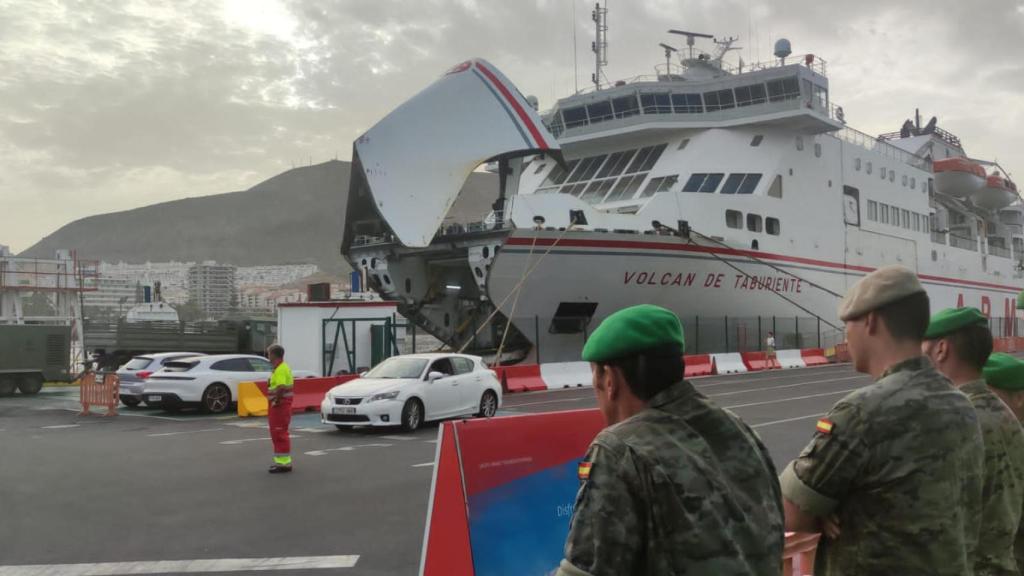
x,y
148,486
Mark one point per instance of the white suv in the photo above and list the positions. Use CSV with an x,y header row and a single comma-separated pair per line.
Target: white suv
x,y
409,390
211,382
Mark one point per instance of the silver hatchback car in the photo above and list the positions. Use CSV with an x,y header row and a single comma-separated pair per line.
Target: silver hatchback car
x,y
133,374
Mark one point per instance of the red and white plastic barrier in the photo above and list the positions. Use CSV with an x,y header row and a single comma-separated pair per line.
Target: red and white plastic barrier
x,y
790,359
814,357
566,375
699,365
730,363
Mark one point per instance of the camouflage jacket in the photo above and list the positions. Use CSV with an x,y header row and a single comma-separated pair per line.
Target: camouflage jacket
x,y
901,464
683,487
1003,488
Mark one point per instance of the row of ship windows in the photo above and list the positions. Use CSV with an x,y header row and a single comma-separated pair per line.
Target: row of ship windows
x,y
607,190
734,219
884,173
679,103
604,165
901,217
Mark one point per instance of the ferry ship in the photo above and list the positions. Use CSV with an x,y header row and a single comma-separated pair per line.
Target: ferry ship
x,y
710,188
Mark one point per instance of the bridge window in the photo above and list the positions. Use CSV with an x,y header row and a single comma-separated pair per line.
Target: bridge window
x,y
913,183
687,104
719,100
732,183
683,143
856,164
625,106
772,226
906,218
903,179
574,117
883,215
616,163
558,174
872,211
783,89
656,103
626,188
741,183
756,140
868,169
754,222
599,111
660,184
734,219
703,182
775,190
587,168
892,175
881,172
596,190
753,94
574,189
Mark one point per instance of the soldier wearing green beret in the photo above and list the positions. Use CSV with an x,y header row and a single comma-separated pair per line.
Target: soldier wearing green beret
x,y
893,474
675,484
1005,376
959,343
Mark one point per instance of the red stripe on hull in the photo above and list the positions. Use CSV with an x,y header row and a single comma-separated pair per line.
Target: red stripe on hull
x,y
523,116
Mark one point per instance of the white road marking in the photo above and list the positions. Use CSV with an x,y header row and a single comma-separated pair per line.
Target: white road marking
x,y
422,465
250,424
735,392
59,426
794,419
509,406
343,449
183,566
185,432
833,393
430,441
397,437
243,440
314,430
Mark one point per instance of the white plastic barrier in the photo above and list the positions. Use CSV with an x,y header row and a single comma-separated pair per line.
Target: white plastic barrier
x,y
790,359
566,375
731,363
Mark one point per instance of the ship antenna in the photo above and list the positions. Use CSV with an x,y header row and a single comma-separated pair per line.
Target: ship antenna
x,y
600,45
668,58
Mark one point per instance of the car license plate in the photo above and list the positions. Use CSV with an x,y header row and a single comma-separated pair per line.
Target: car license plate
x,y
344,410
153,398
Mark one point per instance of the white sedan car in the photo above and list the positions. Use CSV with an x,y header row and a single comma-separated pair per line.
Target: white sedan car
x,y
409,390
211,382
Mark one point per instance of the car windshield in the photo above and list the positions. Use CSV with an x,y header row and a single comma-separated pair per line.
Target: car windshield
x,y
398,368
138,363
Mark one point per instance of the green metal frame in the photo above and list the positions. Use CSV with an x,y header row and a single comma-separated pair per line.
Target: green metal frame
x,y
391,327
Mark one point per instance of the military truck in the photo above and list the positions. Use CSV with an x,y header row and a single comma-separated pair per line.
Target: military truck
x,y
31,354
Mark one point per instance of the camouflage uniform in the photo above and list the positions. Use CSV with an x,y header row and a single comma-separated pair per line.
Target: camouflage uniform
x,y
901,465
1003,492
683,487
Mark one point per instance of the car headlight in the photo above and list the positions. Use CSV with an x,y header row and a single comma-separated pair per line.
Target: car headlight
x,y
384,396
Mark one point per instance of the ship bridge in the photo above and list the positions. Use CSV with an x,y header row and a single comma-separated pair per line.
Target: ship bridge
x,y
794,95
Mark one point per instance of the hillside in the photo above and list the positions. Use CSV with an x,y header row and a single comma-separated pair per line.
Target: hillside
x,y
294,217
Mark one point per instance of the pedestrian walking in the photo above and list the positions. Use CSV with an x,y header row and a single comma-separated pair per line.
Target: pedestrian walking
x,y
1005,376
674,484
279,395
893,473
959,343
770,360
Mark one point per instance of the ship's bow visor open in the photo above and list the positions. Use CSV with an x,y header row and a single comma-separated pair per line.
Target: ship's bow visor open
x,y
408,169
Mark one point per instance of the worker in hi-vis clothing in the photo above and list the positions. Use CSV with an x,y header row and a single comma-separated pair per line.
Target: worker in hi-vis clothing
x,y
279,395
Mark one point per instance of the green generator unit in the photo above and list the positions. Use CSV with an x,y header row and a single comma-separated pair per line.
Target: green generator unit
x,y
32,354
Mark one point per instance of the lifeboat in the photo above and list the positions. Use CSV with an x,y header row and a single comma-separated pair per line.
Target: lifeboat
x,y
998,192
958,177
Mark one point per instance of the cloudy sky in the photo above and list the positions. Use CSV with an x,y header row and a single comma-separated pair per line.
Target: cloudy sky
x,y
114,104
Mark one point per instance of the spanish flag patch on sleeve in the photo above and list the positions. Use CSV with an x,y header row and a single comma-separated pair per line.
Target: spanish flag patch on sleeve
x,y
825,426
584,470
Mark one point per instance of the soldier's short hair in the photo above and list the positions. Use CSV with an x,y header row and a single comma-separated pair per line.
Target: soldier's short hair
x,y
907,318
650,371
972,345
276,351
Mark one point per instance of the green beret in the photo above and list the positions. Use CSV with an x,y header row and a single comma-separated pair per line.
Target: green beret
x,y
633,330
1004,372
952,319
883,286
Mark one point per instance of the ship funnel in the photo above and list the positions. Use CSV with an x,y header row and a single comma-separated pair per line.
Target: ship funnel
x,y
408,169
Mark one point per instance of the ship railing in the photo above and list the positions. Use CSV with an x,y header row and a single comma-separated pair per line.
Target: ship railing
x,y
887,150
817,65
963,243
938,237
998,251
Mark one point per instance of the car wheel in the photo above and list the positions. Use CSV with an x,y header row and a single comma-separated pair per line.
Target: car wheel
x,y
488,404
412,415
7,385
130,402
30,384
216,398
